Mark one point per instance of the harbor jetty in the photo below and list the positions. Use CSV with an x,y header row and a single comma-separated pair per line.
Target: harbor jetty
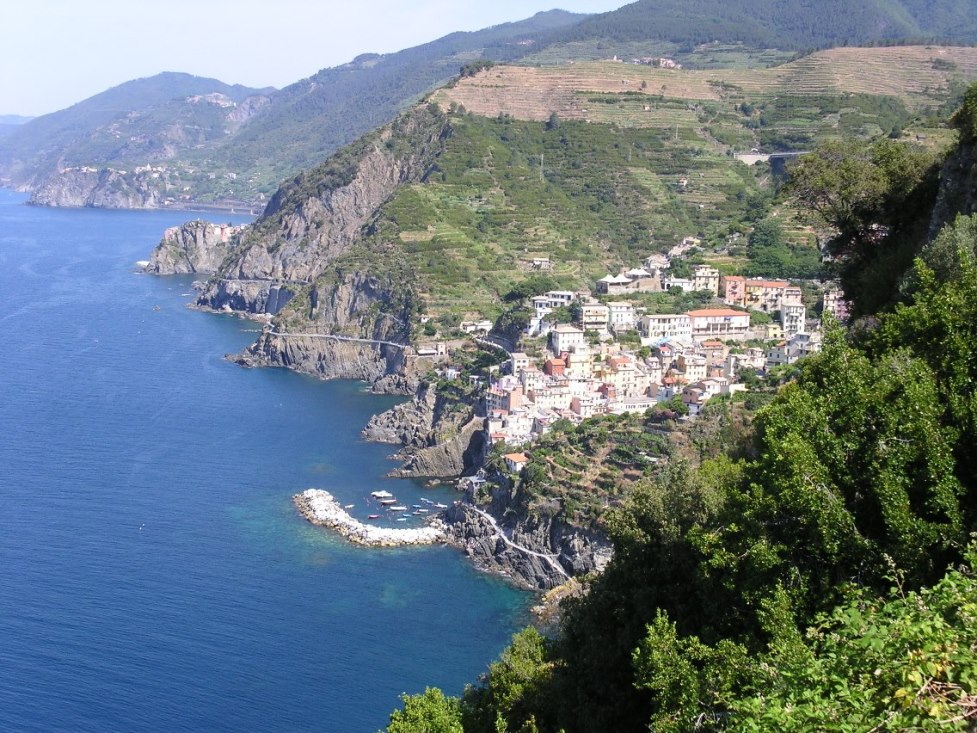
x,y
319,507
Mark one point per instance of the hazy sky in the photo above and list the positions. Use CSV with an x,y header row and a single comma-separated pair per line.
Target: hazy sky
x,y
57,52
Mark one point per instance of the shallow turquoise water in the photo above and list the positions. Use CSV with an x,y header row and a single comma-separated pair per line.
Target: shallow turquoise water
x,y
153,572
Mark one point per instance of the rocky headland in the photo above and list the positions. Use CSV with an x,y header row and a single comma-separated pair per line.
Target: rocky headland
x,y
197,247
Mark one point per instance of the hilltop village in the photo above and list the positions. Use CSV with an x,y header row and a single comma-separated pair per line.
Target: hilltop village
x,y
613,357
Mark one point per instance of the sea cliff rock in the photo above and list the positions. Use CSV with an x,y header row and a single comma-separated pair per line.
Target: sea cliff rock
x,y
535,550
316,218
100,188
353,326
195,247
440,437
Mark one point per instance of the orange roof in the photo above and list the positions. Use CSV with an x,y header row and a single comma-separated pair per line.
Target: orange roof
x,y
707,312
734,278
768,283
517,457
712,343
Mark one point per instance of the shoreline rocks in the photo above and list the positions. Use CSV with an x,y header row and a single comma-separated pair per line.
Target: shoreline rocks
x,y
320,508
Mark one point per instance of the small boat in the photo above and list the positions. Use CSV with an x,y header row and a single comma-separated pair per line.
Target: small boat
x,y
349,506
402,519
381,495
422,511
387,502
397,508
416,506
441,506
426,501
373,516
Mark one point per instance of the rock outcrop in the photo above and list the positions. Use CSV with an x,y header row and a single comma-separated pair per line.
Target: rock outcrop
x,y
195,247
316,218
440,437
536,549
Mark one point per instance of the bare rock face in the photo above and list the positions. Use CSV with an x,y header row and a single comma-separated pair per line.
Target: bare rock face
x,y
352,329
195,247
541,553
439,438
315,219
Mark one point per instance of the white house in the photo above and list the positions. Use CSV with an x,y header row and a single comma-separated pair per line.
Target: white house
x,y
566,338
723,323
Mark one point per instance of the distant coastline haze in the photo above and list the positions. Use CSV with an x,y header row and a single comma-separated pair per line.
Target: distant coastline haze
x,y
60,52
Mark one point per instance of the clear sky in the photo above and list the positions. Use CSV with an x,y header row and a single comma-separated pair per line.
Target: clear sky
x,y
54,53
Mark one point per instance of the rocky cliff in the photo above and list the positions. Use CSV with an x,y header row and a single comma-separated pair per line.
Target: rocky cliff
x,y
536,549
316,219
195,247
439,436
350,326
100,188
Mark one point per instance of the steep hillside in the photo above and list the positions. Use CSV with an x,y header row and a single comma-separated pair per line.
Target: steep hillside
x,y
785,24
844,90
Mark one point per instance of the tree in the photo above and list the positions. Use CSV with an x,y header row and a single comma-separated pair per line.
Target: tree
x,y
553,122
429,712
876,198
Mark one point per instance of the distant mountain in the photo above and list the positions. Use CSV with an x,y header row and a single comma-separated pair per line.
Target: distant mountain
x,y
138,121
268,135
784,24
14,119
211,144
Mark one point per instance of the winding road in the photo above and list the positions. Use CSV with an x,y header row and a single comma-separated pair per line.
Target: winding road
x,y
337,337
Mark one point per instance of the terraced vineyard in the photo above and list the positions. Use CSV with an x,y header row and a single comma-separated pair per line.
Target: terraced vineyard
x,y
918,78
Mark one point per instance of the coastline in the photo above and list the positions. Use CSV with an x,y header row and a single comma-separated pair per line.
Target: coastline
x,y
319,507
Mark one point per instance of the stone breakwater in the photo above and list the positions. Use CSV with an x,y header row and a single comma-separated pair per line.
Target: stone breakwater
x,y
319,507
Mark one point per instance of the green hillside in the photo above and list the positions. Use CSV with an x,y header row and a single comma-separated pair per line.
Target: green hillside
x,y
784,24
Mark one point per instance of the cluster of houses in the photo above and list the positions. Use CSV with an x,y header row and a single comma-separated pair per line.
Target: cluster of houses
x,y
696,355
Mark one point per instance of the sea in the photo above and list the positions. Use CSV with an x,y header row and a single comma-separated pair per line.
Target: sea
x,y
154,574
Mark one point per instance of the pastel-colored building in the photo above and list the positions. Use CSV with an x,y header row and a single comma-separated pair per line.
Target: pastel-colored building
x,y
705,277
734,290
722,323
566,338
665,326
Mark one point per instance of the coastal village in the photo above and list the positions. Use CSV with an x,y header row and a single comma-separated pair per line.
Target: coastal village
x,y
615,358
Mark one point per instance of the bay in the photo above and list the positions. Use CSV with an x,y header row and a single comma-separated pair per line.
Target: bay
x,y
154,574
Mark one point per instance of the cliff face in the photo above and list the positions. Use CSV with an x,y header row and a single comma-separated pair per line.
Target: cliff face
x,y
439,437
320,215
195,247
352,327
535,550
104,189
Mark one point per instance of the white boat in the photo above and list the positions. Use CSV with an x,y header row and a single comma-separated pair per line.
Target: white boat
x,y
402,519
397,508
441,506
422,511
387,502
349,506
381,495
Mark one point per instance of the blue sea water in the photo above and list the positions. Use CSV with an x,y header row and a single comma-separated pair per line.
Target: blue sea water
x,y
154,575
